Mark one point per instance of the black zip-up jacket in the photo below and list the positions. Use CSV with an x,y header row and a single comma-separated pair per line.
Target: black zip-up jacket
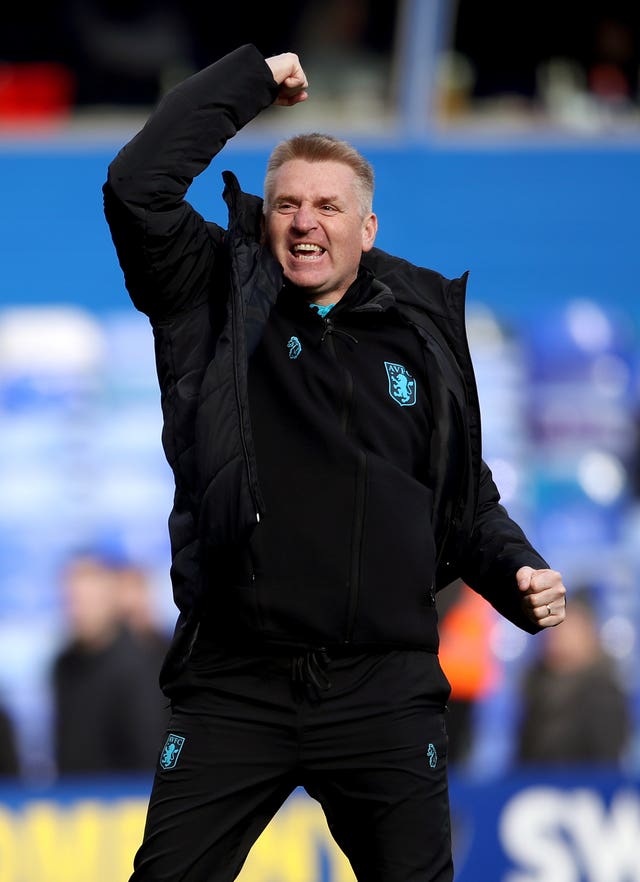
x,y
209,292
341,419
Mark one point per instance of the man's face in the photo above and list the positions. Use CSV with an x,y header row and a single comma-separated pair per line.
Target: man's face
x,y
315,228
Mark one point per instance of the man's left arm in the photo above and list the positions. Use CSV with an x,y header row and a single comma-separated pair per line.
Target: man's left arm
x,y
502,565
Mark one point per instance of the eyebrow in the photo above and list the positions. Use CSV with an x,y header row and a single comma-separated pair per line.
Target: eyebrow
x,y
287,197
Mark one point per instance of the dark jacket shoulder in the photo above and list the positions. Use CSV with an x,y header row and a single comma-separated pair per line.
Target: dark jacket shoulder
x,y
416,285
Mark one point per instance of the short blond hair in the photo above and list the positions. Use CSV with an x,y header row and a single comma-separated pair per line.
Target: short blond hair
x,y
316,147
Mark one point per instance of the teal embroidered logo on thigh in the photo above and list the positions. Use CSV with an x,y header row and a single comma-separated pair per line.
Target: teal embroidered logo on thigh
x,y
171,751
432,755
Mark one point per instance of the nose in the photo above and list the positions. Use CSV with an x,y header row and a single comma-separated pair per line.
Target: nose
x,y
304,219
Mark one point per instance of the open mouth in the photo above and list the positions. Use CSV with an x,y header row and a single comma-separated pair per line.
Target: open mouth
x,y
306,251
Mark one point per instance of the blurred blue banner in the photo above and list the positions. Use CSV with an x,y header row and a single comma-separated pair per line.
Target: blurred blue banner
x,y
581,826
536,224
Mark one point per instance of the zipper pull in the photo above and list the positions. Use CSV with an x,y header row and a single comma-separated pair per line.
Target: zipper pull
x,y
328,328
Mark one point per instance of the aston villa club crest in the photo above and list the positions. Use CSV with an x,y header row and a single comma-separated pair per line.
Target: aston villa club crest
x,y
402,386
171,751
295,347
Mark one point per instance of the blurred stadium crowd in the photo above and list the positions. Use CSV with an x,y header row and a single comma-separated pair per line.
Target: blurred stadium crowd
x,y
571,63
84,485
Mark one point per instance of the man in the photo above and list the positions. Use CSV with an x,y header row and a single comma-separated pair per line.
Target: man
x,y
322,424
108,710
574,708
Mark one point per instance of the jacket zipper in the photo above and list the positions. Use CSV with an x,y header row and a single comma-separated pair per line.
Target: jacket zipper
x,y
358,515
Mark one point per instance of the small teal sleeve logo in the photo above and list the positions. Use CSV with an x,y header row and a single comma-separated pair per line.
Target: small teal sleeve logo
x,y
432,756
295,347
171,751
402,386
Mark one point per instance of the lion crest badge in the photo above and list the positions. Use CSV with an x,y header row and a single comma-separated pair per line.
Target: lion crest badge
x,y
402,386
171,751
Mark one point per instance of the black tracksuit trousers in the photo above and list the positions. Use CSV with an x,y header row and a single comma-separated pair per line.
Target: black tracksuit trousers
x,y
363,734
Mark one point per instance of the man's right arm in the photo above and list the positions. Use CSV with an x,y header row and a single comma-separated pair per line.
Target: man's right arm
x,y
165,248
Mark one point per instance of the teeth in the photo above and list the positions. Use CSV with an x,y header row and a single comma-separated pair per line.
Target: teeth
x,y
309,247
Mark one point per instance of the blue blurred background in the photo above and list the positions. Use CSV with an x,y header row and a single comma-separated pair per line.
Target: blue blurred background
x,y
517,159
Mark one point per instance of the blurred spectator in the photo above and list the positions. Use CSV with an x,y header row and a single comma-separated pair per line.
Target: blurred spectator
x,y
583,48
467,660
613,67
136,611
347,47
129,52
107,714
9,762
574,707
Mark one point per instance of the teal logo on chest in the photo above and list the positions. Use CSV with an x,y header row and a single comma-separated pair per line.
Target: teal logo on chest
x,y
295,347
402,386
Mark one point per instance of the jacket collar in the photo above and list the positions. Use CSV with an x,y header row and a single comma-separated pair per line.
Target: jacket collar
x,y
365,294
245,210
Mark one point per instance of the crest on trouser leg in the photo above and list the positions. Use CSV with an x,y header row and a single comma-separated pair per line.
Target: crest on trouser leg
x,y
171,751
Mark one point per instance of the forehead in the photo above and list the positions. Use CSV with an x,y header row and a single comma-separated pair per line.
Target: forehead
x,y
299,177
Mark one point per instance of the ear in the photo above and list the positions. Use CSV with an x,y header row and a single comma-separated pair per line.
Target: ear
x,y
369,230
